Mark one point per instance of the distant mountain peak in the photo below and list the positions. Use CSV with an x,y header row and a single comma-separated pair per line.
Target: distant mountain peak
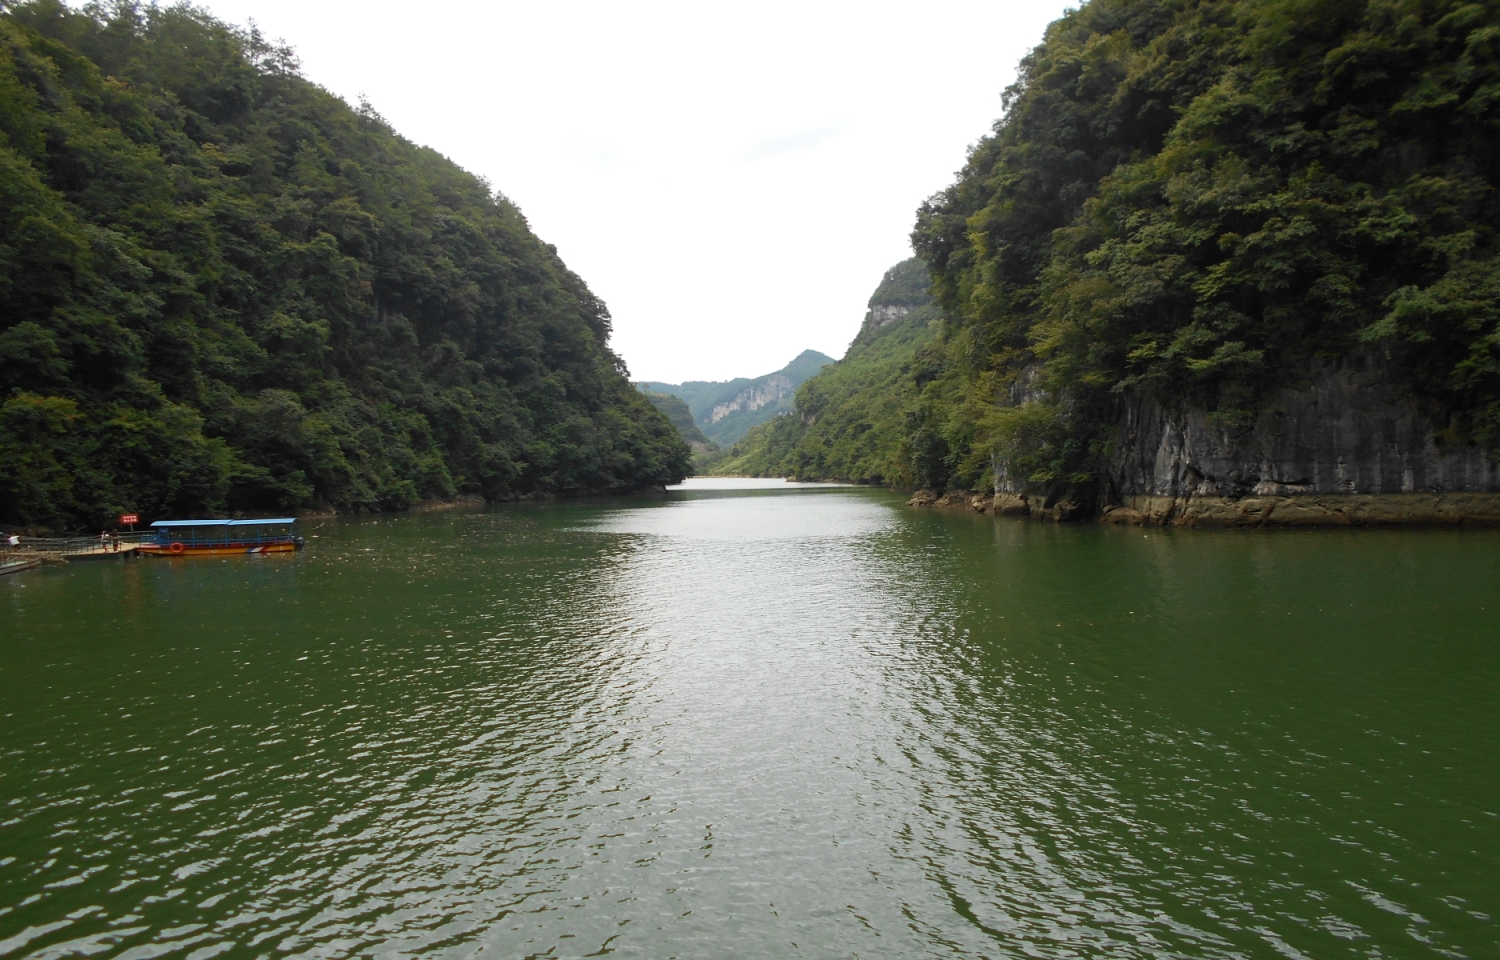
x,y
725,409
812,355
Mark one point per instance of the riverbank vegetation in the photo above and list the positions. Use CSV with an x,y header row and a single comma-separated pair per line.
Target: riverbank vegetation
x,y
1200,202
224,289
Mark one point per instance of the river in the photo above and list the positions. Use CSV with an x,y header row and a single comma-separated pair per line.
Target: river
x,y
753,719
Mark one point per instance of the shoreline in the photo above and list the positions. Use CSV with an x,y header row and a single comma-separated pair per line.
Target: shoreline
x,y
1297,510
465,500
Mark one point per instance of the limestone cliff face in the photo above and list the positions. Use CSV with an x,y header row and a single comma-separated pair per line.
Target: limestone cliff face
x,y
772,390
1023,390
1344,448
885,314
1346,432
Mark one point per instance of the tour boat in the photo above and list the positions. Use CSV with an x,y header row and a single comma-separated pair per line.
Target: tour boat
x,y
221,538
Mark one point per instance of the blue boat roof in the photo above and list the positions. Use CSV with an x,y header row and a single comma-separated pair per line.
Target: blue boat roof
x,y
222,523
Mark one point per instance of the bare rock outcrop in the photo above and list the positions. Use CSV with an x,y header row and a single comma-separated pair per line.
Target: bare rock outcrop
x,y
1345,448
772,389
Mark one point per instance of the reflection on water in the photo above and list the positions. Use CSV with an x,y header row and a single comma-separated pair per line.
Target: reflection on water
x,y
757,719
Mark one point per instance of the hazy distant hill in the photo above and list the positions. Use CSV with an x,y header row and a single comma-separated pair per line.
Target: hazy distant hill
x,y
676,410
853,419
725,409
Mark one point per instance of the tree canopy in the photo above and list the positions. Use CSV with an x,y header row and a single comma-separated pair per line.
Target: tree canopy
x,y
224,289
1196,201
1201,200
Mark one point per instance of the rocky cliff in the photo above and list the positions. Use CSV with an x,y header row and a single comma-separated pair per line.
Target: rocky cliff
x,y
885,314
1343,447
1345,432
772,390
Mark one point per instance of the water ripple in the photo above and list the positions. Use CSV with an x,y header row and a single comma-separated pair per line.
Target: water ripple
x,y
755,723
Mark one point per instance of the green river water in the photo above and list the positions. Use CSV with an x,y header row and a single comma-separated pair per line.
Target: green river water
x,y
757,720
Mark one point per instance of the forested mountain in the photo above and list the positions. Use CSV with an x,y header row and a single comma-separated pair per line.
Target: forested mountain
x,y
725,409
1201,203
224,289
852,421
1262,232
681,416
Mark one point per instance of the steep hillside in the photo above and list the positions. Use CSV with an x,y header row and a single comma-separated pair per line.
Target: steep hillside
x,y
726,409
853,420
1211,226
223,289
676,410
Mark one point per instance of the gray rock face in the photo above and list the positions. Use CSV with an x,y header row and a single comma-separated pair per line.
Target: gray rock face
x,y
885,314
773,389
1346,432
1024,390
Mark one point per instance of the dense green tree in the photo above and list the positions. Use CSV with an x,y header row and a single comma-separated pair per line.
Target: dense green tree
x,y
706,453
221,288
1201,200
676,410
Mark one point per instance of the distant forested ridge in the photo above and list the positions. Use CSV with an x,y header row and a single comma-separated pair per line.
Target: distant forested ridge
x,y
858,419
725,409
1202,202
677,410
223,289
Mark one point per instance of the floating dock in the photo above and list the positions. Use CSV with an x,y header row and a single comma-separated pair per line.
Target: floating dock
x,y
43,550
124,551
16,566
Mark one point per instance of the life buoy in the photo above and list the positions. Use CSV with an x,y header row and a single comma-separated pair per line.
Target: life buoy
x,y
176,548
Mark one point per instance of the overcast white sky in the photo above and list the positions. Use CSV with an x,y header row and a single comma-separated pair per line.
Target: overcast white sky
x,y
732,178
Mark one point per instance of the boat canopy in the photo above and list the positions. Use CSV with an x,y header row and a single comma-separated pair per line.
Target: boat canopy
x,y
223,523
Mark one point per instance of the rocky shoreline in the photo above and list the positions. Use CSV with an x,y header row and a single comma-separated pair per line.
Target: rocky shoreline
x,y
1340,447
1306,510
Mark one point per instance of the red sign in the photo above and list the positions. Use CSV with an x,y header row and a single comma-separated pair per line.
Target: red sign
x,y
129,519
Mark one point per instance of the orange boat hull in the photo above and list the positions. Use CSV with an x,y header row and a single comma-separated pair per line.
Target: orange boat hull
x,y
221,550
